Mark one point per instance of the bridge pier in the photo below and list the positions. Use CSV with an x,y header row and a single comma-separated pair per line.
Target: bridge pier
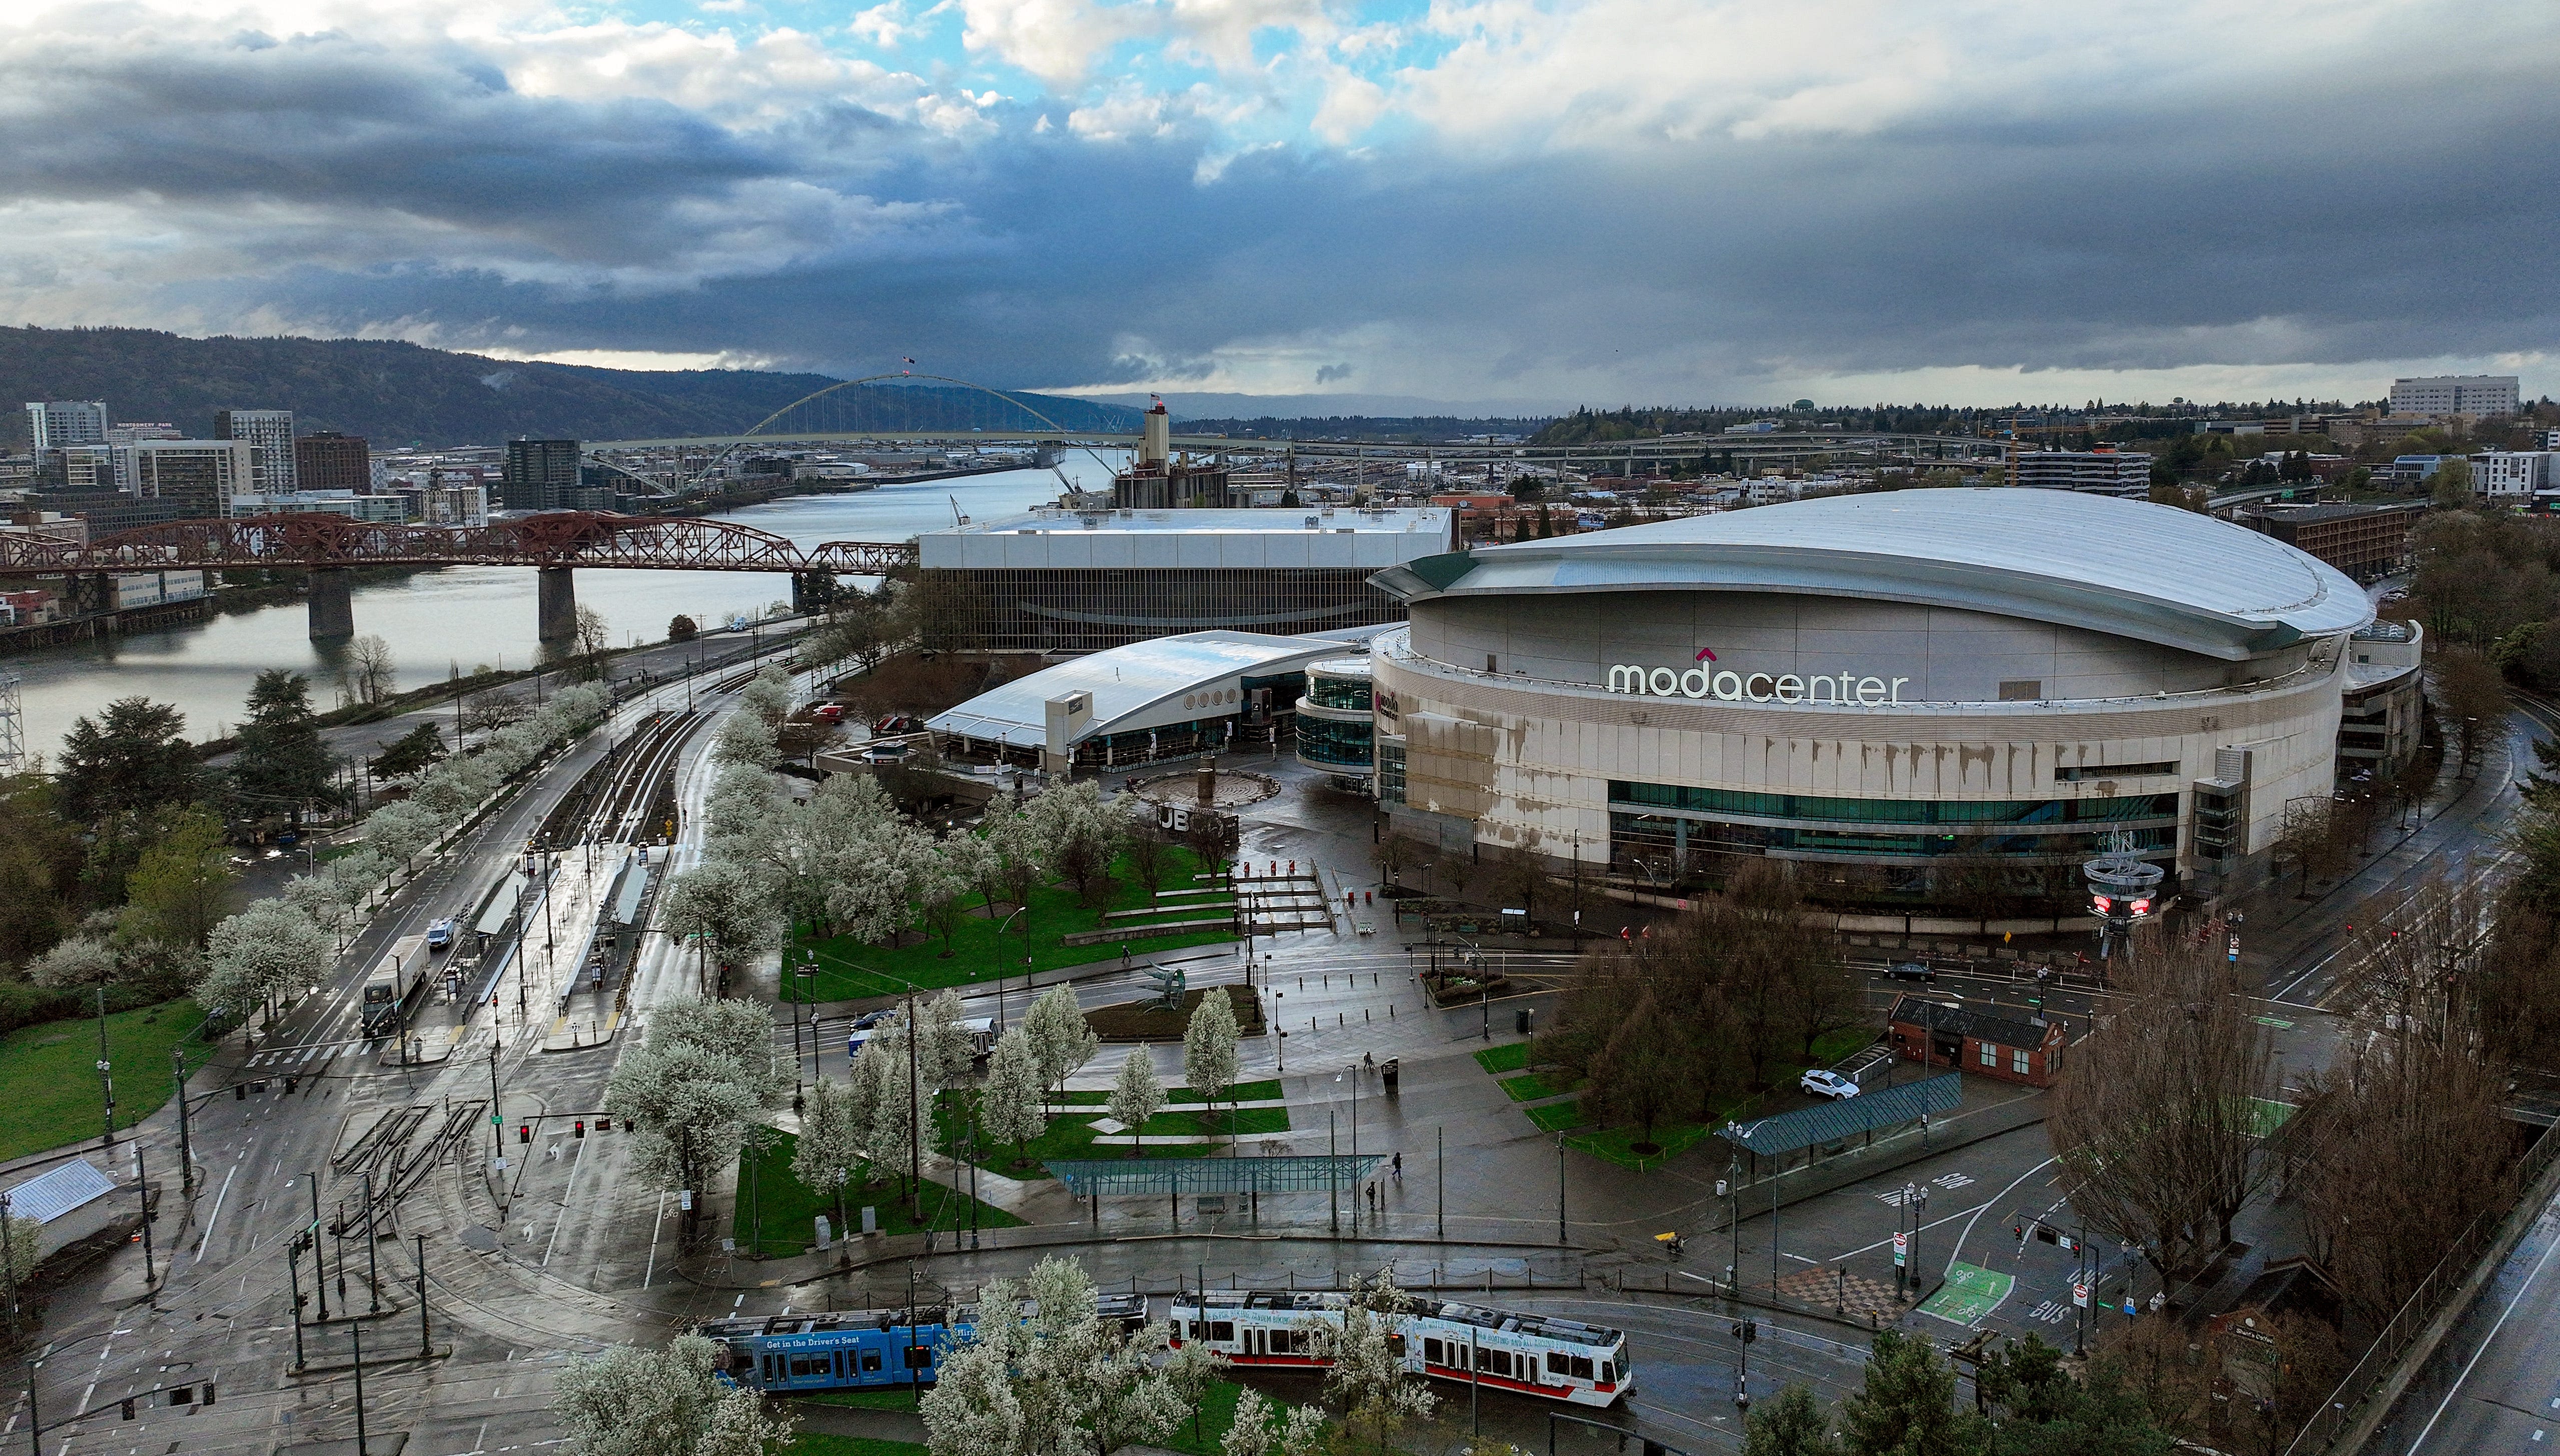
x,y
333,603
556,606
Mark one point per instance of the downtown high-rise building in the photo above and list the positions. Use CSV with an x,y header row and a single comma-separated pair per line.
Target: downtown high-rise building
x,y
199,475
55,423
327,460
539,475
270,433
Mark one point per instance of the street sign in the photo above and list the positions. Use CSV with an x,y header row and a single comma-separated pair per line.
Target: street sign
x,y
1902,1249
2080,1294
2235,948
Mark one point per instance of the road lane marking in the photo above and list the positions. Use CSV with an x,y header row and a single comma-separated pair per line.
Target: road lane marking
x,y
2486,1341
217,1218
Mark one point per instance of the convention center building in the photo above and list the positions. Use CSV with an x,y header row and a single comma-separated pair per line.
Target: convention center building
x,y
1920,697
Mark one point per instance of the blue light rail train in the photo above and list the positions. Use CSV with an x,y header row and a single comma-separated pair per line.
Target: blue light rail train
x,y
850,1349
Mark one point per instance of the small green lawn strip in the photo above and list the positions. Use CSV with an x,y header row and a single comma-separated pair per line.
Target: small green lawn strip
x,y
871,1399
49,1073
825,1443
1513,1057
1558,1116
849,970
772,1199
1531,1086
1215,1416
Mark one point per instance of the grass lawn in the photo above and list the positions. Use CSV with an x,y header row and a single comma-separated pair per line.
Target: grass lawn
x,y
872,1399
1529,1086
1070,1136
1558,1116
1513,1057
49,1073
848,969
772,1199
1263,1092
1217,1414
820,1443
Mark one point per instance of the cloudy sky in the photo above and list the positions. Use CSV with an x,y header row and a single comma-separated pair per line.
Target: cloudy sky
x,y
1524,202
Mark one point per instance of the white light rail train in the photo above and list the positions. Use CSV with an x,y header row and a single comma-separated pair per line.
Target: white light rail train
x,y
1534,1355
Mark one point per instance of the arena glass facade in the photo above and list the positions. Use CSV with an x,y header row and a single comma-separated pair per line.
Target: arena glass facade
x,y
1919,697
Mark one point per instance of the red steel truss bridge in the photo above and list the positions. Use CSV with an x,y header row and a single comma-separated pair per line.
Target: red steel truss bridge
x,y
554,541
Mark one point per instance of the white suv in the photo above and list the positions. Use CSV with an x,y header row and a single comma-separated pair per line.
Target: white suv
x,y
1830,1084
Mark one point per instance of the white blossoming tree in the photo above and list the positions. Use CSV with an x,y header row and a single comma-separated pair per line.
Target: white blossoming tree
x,y
1137,1096
1208,1048
1060,1382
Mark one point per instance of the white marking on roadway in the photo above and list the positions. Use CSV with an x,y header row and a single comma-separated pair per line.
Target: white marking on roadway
x,y
204,1242
1978,1213
2521,1290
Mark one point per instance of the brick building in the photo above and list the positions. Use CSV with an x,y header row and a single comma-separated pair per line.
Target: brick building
x,y
1991,1043
2365,542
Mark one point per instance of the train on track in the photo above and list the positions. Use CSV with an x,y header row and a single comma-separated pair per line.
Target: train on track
x,y
1528,1354
849,1349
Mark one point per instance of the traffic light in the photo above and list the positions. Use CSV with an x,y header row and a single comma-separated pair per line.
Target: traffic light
x,y
240,1091
126,1411
2101,903
2142,908
291,1083
579,1128
208,1398
604,1124
523,1132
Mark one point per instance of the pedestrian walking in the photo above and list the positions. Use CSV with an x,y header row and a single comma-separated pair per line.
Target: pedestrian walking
x,y
1399,1166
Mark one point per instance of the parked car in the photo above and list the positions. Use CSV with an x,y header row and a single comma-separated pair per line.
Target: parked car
x,y
828,711
1828,1084
1908,970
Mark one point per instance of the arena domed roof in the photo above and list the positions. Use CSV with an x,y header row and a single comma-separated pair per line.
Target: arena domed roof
x,y
2128,569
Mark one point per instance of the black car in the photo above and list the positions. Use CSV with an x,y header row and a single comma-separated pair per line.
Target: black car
x,y
1908,970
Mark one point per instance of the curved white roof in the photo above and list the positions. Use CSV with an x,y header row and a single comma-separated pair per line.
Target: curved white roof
x,y
1139,686
2130,568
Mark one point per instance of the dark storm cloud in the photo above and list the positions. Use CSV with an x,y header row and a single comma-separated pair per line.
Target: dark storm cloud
x,y
2384,213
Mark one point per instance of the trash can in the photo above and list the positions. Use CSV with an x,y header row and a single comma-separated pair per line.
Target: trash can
x,y
1387,1074
1521,1020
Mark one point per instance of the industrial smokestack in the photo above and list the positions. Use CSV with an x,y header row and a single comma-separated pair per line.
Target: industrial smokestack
x,y
1158,446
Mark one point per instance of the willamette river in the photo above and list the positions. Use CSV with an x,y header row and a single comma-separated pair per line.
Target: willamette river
x,y
471,615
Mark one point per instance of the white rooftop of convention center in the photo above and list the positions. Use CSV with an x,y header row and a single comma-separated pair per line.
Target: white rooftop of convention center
x,y
1340,536
2126,567
1144,685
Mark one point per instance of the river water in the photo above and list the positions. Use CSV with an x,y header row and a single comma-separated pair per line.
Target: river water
x,y
466,616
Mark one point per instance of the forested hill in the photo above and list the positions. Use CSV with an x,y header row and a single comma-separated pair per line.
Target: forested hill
x,y
394,393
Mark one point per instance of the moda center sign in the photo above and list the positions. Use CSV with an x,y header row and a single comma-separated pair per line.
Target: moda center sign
x,y
1845,689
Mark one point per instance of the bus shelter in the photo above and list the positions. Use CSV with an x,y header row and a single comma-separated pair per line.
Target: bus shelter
x,y
1838,1121
1326,1173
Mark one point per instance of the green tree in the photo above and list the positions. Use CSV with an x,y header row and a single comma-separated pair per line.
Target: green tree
x,y
133,760
681,628
2450,485
1907,1406
411,755
1793,1424
40,866
281,764
180,889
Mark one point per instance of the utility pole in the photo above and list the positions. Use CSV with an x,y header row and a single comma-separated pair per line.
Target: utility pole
x,y
356,1333
1560,1189
186,1151
142,1182
1440,1173
294,1271
373,1237
319,1270
105,1073
497,1122
426,1346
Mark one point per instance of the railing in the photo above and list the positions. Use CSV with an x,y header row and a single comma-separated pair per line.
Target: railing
x,y
2347,1402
